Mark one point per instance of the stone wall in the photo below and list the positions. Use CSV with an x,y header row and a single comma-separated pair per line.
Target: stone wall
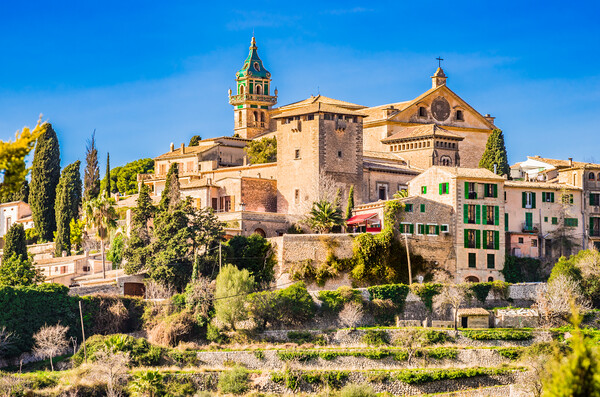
x,y
259,195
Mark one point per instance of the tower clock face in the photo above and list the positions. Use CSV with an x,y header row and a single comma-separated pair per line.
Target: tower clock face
x,y
440,108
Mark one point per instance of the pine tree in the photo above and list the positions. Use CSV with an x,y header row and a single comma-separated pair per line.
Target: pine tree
x,y
68,200
136,251
195,140
495,154
107,180
171,195
45,173
350,205
15,243
91,177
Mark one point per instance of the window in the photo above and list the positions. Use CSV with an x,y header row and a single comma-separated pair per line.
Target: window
x,y
490,279
567,199
297,154
423,189
472,213
297,195
547,197
420,228
520,240
545,219
258,89
444,229
422,111
444,188
528,199
310,117
327,116
595,199
256,66
422,207
571,222
472,238
594,227
506,222
382,191
591,176
491,214
491,261
459,115
339,154
433,230
548,247
491,190
408,208
472,260
554,220
471,190
492,239
407,228
534,242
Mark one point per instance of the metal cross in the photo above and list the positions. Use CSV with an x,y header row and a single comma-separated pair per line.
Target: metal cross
x,y
439,59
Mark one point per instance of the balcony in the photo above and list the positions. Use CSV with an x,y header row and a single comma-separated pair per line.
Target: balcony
x,y
530,227
242,98
594,209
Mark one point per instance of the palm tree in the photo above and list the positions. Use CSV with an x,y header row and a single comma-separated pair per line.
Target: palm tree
x,y
324,216
101,215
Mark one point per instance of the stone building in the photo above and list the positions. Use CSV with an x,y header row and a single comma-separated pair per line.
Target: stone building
x,y
14,212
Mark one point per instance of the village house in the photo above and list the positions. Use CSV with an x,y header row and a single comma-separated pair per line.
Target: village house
x,y
12,213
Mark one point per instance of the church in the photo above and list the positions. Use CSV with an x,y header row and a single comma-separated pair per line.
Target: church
x,y
324,145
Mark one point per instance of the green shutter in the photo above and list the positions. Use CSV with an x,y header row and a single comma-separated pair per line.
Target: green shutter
x,y
495,190
477,238
571,198
422,207
478,214
551,197
484,214
496,240
496,215
412,229
524,197
466,190
591,201
437,230
401,228
506,221
466,213
466,233
441,188
554,221
532,199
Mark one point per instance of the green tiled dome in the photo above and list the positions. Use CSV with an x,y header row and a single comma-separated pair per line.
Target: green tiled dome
x,y
253,66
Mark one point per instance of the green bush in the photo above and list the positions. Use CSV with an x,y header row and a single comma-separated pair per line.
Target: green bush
x,y
426,292
418,376
441,353
434,337
498,334
292,379
333,301
178,301
297,355
300,337
375,338
140,351
353,390
397,293
234,381
183,358
510,353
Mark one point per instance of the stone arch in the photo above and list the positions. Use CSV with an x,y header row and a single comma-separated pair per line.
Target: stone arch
x,y
260,232
258,89
241,89
471,279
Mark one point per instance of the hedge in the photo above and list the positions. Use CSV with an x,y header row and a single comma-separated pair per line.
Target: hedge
x,y
498,334
397,293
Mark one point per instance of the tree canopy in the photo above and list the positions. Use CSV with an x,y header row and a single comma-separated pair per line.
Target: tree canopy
x,y
68,201
495,154
195,140
15,243
45,173
91,177
136,250
262,151
253,253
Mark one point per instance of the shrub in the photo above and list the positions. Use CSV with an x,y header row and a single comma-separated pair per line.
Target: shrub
x,y
147,383
498,334
300,337
353,390
480,290
296,304
395,292
173,329
433,337
233,286
426,292
333,301
375,338
383,311
178,301
140,351
441,353
416,377
510,353
234,381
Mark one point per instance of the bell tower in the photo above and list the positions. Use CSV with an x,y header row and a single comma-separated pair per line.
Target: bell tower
x,y
252,100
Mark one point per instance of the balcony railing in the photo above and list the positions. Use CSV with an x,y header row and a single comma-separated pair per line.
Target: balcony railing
x,y
239,98
530,227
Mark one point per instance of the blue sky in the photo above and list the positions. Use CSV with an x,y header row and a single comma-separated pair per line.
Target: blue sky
x,y
147,73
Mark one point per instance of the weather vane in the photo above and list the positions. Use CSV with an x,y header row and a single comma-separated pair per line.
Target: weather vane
x,y
439,59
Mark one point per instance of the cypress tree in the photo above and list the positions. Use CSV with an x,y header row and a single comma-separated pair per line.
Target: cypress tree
x,y
68,199
15,243
136,251
91,177
495,154
170,197
45,173
107,180
350,205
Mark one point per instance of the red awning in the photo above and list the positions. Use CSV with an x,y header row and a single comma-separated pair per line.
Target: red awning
x,y
359,218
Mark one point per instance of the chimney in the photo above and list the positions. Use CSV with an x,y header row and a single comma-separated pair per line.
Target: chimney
x,y
172,146
570,161
489,118
183,148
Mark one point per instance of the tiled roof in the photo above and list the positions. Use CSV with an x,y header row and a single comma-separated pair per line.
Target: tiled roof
x,y
473,311
481,173
540,185
556,162
188,150
383,155
322,99
420,132
315,108
372,165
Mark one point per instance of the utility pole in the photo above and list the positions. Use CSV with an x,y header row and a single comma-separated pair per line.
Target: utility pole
x,y
82,332
220,258
408,259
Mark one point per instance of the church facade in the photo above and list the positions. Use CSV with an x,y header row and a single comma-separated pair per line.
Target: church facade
x,y
324,145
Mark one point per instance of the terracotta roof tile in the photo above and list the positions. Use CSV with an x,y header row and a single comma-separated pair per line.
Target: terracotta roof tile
x,y
422,131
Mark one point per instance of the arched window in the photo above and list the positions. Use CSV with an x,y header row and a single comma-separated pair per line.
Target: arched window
x,y
262,116
241,88
591,176
255,115
472,279
260,232
240,118
258,89
446,161
490,279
